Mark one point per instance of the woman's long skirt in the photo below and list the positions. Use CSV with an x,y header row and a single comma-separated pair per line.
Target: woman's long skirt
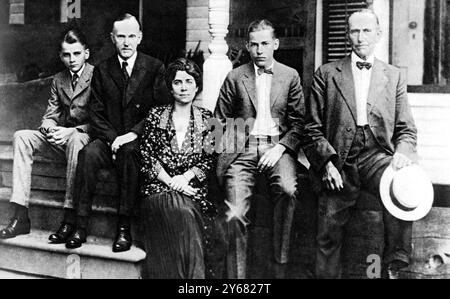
x,y
173,229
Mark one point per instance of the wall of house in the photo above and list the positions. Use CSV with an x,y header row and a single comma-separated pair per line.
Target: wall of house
x,y
36,42
197,27
431,113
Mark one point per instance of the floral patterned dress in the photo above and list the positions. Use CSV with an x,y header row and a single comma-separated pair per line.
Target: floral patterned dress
x,y
177,226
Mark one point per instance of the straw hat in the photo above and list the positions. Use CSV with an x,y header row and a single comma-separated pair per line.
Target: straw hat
x,y
406,193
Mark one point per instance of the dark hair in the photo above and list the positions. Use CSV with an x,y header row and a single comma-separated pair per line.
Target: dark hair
x,y
126,16
74,35
183,64
259,25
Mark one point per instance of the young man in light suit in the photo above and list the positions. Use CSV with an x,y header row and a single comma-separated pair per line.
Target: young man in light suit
x,y
63,133
268,97
358,123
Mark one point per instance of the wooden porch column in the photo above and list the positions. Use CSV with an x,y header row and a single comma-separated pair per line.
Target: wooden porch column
x,y
217,65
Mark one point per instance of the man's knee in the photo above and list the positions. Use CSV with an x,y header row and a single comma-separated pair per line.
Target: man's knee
x,y
78,140
91,151
23,139
287,187
22,136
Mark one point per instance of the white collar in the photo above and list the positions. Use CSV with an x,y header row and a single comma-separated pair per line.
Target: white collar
x,y
355,58
256,67
130,60
80,71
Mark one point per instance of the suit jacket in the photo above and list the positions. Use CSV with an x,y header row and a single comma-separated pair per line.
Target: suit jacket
x,y
331,113
117,108
238,100
68,107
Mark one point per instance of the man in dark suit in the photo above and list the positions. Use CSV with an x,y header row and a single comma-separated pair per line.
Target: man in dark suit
x,y
63,133
261,106
358,123
124,87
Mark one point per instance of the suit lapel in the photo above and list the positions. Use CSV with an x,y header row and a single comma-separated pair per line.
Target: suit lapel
x,y
116,72
248,79
378,83
277,84
84,80
67,84
345,83
136,77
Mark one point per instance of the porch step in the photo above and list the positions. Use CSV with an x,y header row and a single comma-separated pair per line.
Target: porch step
x,y
50,174
6,274
46,212
431,246
33,255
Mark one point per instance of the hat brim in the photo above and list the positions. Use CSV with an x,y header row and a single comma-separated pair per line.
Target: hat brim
x,y
419,212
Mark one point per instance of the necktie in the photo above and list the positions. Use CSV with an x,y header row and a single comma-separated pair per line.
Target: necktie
x,y
263,70
74,80
126,76
362,65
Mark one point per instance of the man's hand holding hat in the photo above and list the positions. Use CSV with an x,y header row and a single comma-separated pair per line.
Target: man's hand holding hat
x,y
400,160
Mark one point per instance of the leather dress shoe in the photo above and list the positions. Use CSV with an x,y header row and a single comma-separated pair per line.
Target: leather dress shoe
x,y
16,227
123,240
63,233
393,270
76,239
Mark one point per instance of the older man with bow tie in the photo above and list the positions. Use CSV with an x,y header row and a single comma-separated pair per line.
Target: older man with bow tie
x,y
358,123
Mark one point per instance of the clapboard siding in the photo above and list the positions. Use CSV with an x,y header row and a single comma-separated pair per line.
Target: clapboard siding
x,y
432,116
197,28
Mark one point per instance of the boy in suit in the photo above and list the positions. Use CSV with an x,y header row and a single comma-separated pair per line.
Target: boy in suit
x,y
266,96
63,133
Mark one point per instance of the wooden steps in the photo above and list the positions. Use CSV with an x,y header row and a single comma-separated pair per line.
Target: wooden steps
x,y
33,254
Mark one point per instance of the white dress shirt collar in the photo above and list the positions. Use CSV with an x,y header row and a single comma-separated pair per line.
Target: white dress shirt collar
x,y
80,71
362,78
130,62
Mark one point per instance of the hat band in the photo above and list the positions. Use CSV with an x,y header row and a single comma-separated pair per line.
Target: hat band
x,y
396,202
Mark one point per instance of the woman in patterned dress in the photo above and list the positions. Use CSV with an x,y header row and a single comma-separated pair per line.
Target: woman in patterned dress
x,y
178,157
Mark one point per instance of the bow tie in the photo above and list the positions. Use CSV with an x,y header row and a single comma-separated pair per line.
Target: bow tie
x,y
263,70
361,65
